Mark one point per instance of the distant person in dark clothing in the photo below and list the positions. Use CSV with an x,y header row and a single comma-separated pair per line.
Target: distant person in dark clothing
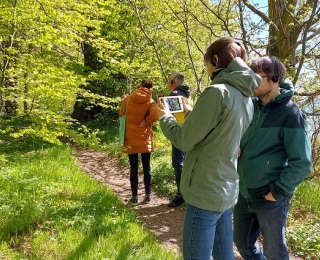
x,y
175,84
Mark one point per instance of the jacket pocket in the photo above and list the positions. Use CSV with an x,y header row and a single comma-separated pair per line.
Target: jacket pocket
x,y
258,192
192,167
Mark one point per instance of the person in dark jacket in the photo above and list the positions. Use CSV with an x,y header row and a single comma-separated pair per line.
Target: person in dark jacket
x,y
275,156
175,84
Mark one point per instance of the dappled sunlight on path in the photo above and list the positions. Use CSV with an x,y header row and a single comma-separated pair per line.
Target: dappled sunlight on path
x,y
166,223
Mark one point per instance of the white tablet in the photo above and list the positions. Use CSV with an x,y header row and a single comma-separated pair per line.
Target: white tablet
x,y
173,104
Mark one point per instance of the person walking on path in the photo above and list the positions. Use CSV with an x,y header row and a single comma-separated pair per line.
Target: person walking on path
x,y
141,112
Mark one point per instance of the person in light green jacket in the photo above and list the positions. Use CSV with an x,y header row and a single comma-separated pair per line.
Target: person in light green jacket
x,y
211,135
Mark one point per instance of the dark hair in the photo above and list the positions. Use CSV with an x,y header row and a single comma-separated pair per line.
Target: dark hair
x,y
226,48
274,69
146,83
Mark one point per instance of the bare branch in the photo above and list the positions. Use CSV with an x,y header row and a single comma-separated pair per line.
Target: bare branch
x,y
225,23
315,33
304,41
184,22
307,94
142,27
261,14
203,24
244,31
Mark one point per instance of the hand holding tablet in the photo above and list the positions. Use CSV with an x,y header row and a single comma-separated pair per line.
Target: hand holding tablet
x,y
172,104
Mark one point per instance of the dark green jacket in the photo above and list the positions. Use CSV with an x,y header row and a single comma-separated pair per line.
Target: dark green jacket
x,y
275,150
211,136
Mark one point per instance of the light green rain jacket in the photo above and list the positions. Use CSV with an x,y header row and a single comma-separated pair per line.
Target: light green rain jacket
x,y
211,135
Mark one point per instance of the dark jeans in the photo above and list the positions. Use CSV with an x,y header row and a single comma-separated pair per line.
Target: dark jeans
x,y
147,178
177,164
255,215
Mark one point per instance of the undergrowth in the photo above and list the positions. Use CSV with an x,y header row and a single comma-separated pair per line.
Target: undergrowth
x,y
50,210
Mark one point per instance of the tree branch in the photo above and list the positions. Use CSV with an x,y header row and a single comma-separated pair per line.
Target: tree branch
x,y
308,25
226,27
142,27
261,14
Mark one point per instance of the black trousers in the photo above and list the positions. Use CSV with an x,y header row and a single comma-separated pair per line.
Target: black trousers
x,y
147,177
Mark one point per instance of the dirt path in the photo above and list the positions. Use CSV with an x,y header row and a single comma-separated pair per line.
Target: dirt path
x,y
156,216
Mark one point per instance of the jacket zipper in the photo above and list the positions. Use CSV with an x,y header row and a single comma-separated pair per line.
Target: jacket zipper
x,y
254,125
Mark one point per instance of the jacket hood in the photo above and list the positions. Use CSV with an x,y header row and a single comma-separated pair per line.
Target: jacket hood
x,y
181,91
286,92
141,95
286,89
239,75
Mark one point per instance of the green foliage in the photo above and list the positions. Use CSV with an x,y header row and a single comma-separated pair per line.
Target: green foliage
x,y
162,171
303,214
51,210
46,129
306,197
49,206
52,51
164,179
303,230
42,68
304,239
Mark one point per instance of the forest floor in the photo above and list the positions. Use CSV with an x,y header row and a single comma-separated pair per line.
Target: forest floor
x,y
165,222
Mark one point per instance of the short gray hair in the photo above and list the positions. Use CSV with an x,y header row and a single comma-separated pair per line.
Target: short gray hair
x,y
177,78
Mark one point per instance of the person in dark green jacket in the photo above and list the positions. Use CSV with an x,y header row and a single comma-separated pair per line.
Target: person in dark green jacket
x,y
211,135
275,156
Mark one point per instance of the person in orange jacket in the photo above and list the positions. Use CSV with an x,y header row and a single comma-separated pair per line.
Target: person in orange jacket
x,y
141,112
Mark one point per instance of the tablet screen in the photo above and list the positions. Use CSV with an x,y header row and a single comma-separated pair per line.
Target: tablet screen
x,y
174,104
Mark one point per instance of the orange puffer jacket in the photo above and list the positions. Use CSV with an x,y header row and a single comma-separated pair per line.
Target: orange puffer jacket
x,y
139,107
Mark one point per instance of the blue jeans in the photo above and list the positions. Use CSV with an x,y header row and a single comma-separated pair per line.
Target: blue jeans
x,y
255,215
177,157
207,233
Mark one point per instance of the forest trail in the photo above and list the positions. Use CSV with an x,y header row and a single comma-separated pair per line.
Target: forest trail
x,y
165,222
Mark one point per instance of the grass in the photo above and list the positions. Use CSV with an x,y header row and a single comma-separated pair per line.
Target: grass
x,y
51,210
162,172
303,226
303,233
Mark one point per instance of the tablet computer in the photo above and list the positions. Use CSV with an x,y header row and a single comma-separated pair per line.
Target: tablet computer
x,y
173,104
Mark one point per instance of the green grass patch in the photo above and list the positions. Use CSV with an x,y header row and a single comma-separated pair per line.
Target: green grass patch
x,y
50,209
303,232
306,198
303,238
304,228
162,171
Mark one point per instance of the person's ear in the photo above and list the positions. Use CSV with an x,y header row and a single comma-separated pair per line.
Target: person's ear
x,y
214,60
